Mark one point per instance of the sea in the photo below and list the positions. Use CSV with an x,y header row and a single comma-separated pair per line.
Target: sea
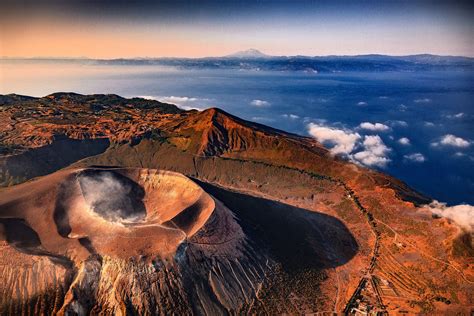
x,y
422,121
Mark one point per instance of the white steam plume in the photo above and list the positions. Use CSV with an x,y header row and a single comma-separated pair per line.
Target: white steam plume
x,y
109,197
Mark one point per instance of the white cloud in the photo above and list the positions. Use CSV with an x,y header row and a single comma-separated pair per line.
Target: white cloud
x,y
399,123
183,102
424,100
404,141
362,103
402,107
343,141
374,153
374,126
148,97
416,157
429,124
291,116
260,103
177,100
462,214
455,116
369,150
453,141
262,119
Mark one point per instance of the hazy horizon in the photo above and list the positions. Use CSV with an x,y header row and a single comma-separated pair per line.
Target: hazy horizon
x,y
227,55
184,29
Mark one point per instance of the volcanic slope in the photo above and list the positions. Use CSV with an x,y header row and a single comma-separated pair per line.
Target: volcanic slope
x,y
396,256
118,240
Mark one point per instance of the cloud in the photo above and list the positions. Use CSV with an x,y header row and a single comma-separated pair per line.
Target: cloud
x,y
374,153
455,116
460,155
424,100
402,107
404,141
147,97
383,97
178,100
416,157
429,124
398,123
362,103
374,127
343,141
369,150
453,141
262,119
291,116
183,102
462,214
260,103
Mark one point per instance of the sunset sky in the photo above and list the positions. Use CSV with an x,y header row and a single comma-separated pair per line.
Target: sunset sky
x,y
111,29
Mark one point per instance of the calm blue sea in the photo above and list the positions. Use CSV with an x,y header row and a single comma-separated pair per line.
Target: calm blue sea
x,y
423,107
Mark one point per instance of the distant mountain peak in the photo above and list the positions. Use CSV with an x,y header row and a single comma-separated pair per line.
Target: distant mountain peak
x,y
249,53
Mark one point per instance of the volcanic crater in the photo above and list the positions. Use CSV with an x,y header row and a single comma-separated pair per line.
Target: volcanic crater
x,y
96,224
118,212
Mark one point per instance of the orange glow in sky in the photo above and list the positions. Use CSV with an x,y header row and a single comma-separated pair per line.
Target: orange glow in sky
x,y
202,33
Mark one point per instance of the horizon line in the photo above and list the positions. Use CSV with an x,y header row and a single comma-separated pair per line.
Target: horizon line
x,y
222,56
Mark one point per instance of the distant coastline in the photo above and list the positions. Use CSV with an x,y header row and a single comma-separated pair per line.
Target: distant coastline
x,y
256,60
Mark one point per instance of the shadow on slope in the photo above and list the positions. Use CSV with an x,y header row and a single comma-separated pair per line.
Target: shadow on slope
x,y
41,161
19,234
297,238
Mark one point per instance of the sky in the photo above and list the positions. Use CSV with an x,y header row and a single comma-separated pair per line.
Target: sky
x,y
144,28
